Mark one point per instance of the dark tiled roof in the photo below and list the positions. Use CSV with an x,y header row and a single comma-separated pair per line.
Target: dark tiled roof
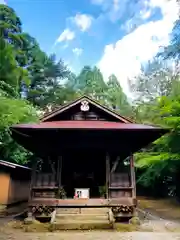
x,y
85,125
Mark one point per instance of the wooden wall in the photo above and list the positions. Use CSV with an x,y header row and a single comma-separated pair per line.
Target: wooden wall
x,y
15,185
18,191
19,185
90,115
75,113
4,189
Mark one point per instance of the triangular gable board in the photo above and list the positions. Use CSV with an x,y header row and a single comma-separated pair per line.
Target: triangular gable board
x,y
84,108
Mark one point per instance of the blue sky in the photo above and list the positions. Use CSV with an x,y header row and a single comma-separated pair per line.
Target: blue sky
x,y
116,35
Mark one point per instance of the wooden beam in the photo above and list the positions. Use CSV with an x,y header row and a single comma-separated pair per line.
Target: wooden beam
x,y
44,187
107,174
113,169
121,188
76,203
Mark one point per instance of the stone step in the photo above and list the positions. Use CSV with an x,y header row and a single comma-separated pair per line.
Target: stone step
x,y
68,210
82,210
81,217
94,210
81,225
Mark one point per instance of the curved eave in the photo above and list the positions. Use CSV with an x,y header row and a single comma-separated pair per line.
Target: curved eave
x,y
55,136
98,125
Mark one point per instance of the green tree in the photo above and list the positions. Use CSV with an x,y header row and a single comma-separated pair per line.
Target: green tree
x,y
154,81
11,32
83,81
11,75
90,82
172,51
116,98
47,78
160,162
10,25
13,111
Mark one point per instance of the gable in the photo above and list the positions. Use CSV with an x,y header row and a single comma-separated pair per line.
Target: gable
x,y
84,108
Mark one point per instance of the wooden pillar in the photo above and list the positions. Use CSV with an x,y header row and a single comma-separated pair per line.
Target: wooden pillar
x,y
33,177
52,166
133,177
60,171
107,174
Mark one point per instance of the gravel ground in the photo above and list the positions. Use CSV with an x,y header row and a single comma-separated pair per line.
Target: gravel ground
x,y
91,236
157,231
152,229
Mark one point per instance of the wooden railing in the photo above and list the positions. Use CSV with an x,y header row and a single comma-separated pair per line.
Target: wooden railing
x,y
120,185
44,186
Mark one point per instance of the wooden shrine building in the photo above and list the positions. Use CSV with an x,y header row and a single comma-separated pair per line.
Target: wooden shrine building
x,y
84,156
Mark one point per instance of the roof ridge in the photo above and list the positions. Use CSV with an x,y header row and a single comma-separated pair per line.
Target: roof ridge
x,y
61,106
13,165
118,115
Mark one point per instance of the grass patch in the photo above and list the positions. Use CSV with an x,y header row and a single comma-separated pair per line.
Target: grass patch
x,y
48,227
123,227
172,228
165,208
37,226
175,230
33,227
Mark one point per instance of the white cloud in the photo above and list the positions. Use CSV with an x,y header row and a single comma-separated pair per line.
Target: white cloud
x,y
145,14
140,12
124,58
3,2
83,21
66,35
113,9
77,51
